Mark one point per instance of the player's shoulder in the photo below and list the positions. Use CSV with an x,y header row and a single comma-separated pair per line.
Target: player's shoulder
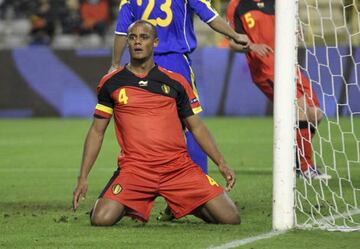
x,y
122,2
243,6
234,3
107,77
232,6
175,77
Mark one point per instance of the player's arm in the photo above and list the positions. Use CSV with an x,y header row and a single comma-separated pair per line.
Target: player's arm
x,y
204,138
124,19
260,49
220,25
236,22
91,150
238,47
117,51
210,16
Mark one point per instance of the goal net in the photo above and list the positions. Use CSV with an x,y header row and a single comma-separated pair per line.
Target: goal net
x,y
329,55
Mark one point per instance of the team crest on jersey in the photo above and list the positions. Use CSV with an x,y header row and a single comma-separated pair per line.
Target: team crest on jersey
x,y
261,5
116,189
143,83
165,89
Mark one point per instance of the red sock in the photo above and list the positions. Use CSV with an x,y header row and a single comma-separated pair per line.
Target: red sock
x,y
303,140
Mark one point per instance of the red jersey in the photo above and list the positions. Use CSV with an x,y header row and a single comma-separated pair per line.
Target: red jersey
x,y
256,19
147,111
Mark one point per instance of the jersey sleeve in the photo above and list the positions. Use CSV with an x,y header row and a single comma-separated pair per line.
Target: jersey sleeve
x,y
187,103
203,9
105,104
234,19
125,18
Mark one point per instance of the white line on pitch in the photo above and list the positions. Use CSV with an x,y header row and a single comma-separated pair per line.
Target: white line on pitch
x,y
236,243
326,223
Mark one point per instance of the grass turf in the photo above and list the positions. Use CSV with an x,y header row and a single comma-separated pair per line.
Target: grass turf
x,y
39,162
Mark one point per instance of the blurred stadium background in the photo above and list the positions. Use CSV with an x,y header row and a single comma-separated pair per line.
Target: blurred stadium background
x,y
51,54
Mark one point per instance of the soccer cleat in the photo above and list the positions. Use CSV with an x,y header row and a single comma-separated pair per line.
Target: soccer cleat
x,y
314,174
166,215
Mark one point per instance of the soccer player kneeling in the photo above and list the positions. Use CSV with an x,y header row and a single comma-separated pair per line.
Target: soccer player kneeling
x,y
148,104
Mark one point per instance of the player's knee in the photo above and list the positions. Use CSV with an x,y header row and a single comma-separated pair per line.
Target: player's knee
x,y
98,219
315,115
233,218
230,217
237,219
319,115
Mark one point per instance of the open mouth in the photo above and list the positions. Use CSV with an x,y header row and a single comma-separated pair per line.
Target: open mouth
x,y
138,49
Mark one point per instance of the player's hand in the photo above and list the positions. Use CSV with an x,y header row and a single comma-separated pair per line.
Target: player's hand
x,y
79,192
242,40
261,49
229,176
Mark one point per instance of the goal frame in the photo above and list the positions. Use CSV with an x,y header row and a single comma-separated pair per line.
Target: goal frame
x,y
284,148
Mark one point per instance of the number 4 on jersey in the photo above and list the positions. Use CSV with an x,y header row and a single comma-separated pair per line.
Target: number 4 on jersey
x,y
123,99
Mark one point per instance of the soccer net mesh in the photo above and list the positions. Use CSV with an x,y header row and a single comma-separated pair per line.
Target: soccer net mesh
x,y
329,55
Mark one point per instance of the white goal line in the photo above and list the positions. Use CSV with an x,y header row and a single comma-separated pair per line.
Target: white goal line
x,y
236,243
324,223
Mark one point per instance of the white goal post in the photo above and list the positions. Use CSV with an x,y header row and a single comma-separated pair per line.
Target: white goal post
x,y
284,115
321,38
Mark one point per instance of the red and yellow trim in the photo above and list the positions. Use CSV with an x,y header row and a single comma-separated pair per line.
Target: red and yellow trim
x,y
197,110
103,111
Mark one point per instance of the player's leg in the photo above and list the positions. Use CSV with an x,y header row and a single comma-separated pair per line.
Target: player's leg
x,y
106,212
304,133
309,116
187,190
126,193
219,210
181,64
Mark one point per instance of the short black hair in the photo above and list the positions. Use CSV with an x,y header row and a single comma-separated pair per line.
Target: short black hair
x,y
144,22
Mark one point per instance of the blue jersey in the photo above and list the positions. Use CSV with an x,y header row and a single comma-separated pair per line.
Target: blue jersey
x,y
173,20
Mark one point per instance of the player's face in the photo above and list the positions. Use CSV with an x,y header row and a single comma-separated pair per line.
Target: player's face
x,y
141,41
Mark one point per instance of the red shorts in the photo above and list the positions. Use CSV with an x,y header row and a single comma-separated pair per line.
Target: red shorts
x,y
302,88
182,184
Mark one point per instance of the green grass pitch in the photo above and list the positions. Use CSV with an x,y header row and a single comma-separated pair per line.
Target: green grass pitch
x,y
39,162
